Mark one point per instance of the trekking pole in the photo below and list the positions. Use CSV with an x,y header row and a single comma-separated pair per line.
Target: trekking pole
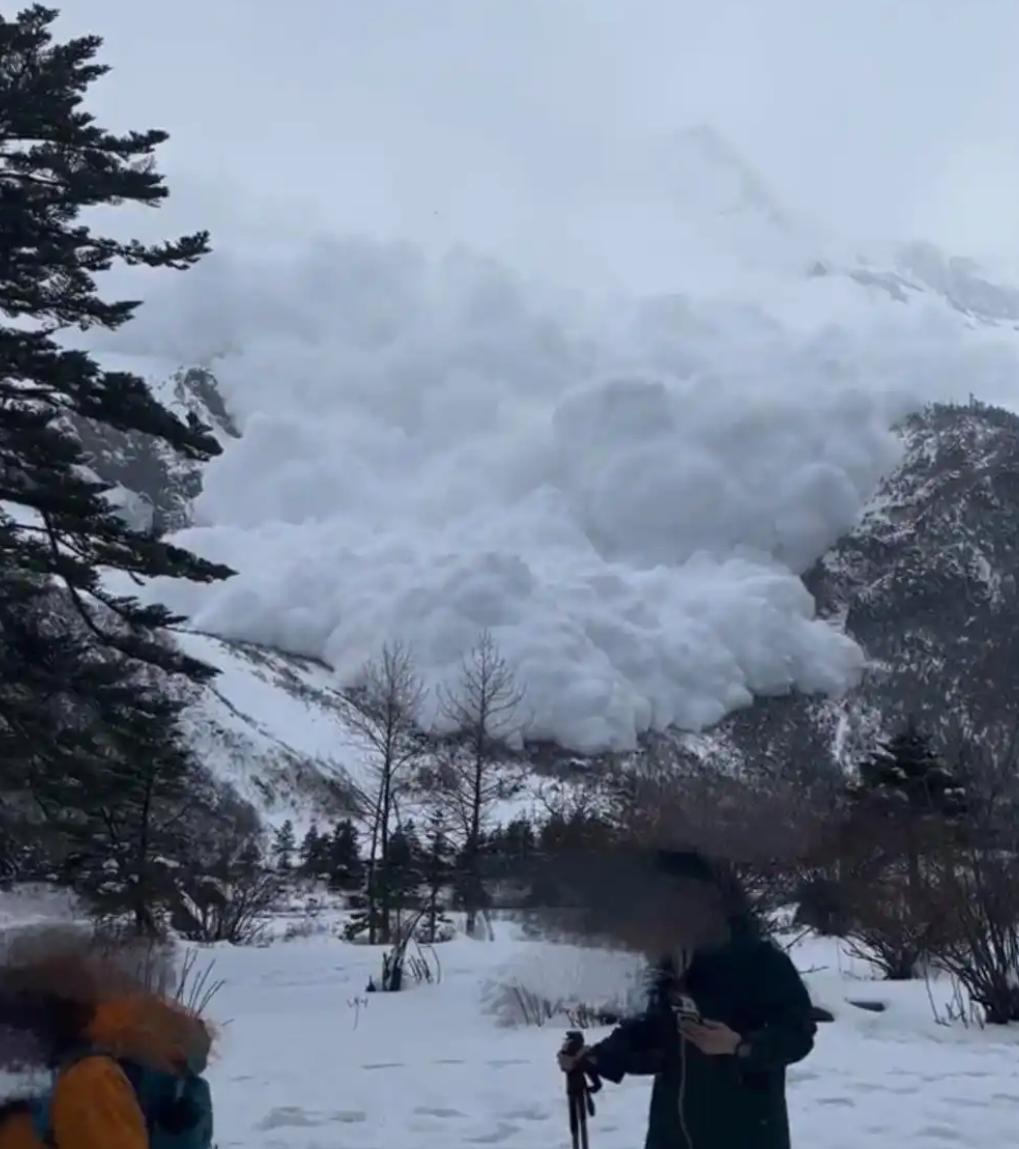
x,y
581,1083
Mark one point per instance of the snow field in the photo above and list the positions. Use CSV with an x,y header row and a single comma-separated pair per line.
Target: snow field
x,y
302,1066
306,1059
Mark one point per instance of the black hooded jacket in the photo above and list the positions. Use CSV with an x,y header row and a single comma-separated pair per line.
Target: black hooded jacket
x,y
702,1102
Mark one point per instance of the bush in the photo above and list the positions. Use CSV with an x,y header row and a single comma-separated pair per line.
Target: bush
x,y
822,905
893,926
978,883
230,910
571,985
980,945
514,1005
307,928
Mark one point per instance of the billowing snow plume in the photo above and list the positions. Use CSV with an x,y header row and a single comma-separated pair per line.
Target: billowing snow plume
x,y
623,494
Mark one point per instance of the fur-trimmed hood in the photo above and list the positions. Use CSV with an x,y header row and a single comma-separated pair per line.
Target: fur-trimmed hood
x,y
152,1031
69,1001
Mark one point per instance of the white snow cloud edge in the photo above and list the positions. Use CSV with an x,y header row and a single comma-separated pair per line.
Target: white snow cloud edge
x,y
623,492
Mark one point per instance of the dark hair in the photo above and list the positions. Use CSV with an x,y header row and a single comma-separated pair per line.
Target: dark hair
x,y
686,864
39,1026
689,865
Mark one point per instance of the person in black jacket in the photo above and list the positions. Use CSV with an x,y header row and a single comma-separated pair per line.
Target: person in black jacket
x,y
719,1080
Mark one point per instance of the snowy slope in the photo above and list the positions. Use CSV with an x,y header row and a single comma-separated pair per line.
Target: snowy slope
x,y
267,726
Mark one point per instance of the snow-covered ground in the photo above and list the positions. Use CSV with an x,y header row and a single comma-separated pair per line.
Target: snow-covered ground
x,y
307,1060
301,1065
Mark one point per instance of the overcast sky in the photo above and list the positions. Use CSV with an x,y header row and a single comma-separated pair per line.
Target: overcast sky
x,y
540,128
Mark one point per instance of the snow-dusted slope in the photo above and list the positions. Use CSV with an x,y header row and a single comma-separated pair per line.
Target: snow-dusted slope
x,y
268,727
155,486
926,584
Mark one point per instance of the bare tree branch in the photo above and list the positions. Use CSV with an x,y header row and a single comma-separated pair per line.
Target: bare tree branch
x,y
382,711
482,709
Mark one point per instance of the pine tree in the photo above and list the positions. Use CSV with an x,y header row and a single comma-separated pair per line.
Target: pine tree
x,y
56,163
905,776
346,871
129,831
400,876
905,787
76,707
907,805
311,853
519,843
436,871
283,847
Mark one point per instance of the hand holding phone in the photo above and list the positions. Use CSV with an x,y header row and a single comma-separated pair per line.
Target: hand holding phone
x,y
686,1010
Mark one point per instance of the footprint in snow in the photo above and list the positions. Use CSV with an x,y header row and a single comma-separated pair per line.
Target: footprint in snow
x,y
428,1111
846,1102
941,1133
501,1132
798,1076
289,1117
385,1065
508,1061
292,1117
533,1113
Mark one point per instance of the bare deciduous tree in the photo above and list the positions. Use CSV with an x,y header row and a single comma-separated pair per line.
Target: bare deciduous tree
x,y
482,708
382,711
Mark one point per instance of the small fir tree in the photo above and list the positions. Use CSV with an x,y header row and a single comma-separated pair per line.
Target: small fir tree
x,y
283,847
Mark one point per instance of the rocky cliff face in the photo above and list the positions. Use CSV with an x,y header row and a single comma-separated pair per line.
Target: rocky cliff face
x,y
927,584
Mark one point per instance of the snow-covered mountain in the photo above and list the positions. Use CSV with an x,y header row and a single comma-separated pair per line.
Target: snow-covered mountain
x,y
638,497
925,583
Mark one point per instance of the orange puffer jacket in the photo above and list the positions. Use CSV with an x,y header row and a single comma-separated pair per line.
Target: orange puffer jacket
x,y
94,1105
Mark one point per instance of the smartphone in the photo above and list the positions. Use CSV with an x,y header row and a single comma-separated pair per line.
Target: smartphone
x,y
686,1009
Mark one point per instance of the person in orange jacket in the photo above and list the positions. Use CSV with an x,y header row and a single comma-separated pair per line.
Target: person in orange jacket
x,y
103,1035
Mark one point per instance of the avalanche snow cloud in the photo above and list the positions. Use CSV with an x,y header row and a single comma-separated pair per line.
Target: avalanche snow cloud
x,y
623,493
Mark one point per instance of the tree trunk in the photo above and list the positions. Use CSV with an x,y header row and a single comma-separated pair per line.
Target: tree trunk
x,y
473,842
144,922
371,892
384,900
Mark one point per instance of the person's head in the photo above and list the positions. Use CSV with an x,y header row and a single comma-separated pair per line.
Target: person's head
x,y
663,904
60,992
45,1009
